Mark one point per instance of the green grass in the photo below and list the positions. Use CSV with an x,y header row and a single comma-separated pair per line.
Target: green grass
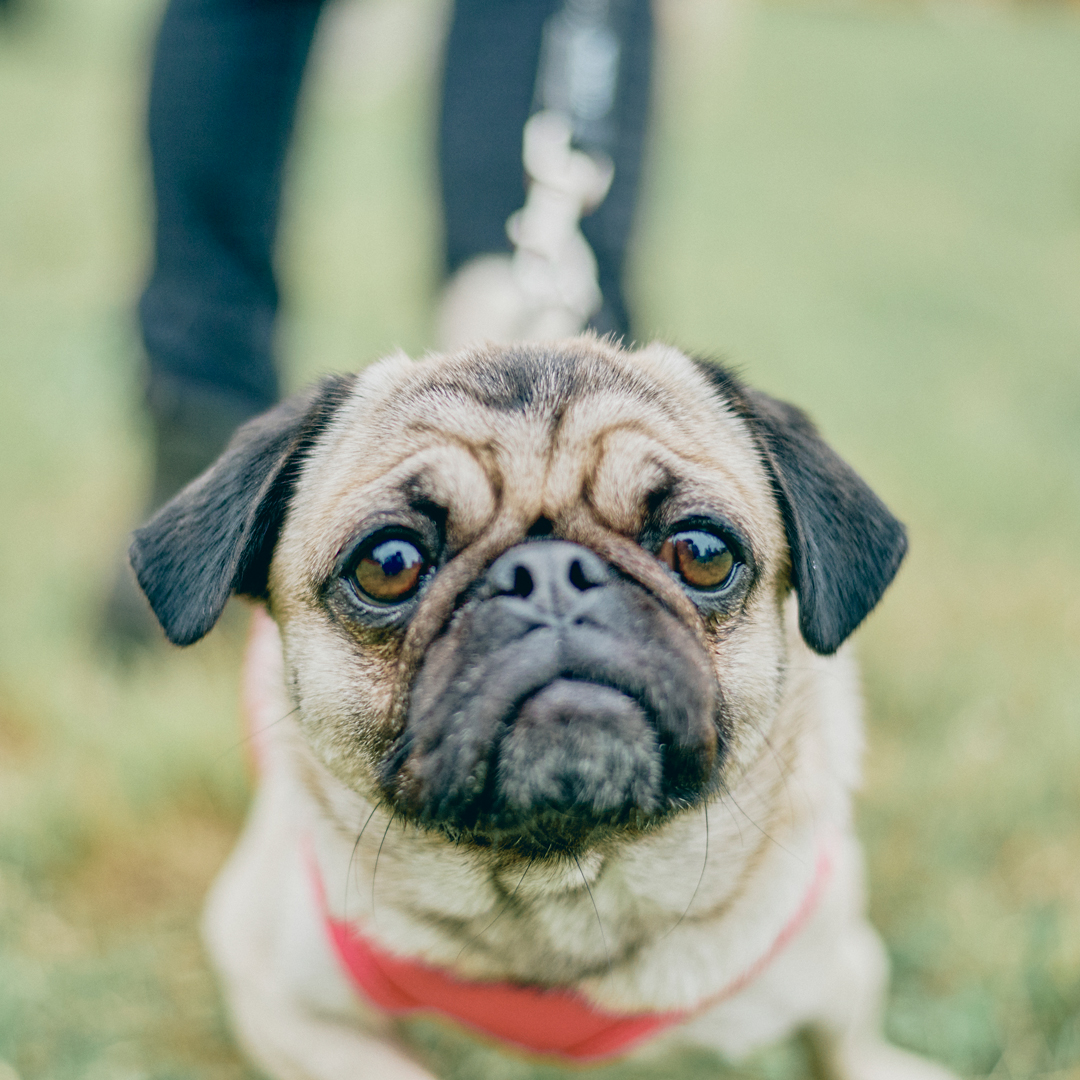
x,y
872,211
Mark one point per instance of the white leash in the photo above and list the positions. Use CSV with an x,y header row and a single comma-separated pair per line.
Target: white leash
x,y
553,265
548,287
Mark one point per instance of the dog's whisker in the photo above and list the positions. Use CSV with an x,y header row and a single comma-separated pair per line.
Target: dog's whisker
x,y
734,820
786,771
596,911
768,836
701,876
502,911
252,735
375,869
783,770
352,856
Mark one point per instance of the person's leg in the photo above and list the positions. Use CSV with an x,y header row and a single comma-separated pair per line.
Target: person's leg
x,y
493,52
489,73
609,227
226,76
225,79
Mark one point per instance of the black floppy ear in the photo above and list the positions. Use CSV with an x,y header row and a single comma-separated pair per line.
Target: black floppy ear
x,y
217,535
845,545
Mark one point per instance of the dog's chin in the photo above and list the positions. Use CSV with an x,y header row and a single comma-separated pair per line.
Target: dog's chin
x,y
580,746
578,762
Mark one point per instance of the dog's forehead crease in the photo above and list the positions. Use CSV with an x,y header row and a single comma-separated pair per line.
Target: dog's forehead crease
x,y
533,434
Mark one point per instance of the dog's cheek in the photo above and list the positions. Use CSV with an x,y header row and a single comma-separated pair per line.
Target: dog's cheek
x,y
750,661
343,696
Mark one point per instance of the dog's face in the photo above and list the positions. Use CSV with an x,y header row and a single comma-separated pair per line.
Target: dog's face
x,y
530,596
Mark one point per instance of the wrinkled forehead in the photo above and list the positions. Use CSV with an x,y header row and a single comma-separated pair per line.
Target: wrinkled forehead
x,y
532,432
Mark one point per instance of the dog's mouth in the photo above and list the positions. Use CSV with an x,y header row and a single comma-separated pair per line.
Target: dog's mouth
x,y
544,730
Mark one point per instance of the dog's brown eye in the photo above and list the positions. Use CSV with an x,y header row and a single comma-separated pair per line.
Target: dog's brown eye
x,y
390,571
701,559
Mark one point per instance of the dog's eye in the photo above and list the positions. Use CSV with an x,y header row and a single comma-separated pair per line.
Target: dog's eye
x,y
700,558
390,571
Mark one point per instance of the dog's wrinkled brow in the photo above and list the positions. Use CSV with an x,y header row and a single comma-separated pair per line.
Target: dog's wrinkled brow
x,y
457,486
620,476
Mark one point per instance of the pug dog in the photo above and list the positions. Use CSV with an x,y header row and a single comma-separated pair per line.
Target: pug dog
x,y
556,733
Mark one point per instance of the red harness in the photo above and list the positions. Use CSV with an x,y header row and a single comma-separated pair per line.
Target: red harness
x,y
550,1023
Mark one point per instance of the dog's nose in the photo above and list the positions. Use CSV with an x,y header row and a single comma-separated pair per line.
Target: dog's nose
x,y
549,575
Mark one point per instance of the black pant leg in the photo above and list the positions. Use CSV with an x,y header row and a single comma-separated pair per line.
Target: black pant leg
x,y
609,227
226,76
489,71
489,77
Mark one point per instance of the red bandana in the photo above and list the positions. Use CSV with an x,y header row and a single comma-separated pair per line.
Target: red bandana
x,y
550,1023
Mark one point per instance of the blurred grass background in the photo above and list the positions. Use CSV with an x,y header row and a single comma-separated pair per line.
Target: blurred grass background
x,y
871,209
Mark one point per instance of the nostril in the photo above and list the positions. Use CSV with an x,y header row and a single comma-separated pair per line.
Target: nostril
x,y
546,573
523,582
578,578
541,527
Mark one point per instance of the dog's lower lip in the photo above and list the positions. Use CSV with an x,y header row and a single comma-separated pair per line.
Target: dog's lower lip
x,y
578,680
